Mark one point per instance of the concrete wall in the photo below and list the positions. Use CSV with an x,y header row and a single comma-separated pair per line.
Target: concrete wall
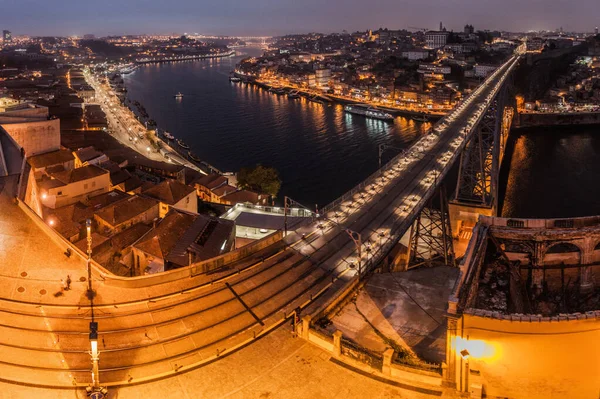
x,y
543,119
428,381
522,358
36,137
24,114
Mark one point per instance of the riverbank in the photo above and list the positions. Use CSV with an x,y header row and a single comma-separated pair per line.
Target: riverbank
x,y
233,126
166,147
541,119
184,58
396,111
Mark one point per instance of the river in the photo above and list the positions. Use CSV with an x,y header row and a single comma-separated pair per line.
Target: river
x,y
552,172
319,151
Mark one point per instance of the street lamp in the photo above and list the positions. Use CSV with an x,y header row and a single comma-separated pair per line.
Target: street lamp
x,y
94,391
356,237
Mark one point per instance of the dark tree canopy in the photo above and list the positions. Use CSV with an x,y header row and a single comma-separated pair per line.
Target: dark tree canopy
x,y
262,179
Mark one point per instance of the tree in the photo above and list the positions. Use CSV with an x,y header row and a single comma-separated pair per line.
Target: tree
x,y
262,179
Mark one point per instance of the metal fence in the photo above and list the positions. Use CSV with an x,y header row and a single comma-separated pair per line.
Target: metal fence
x,y
363,355
418,364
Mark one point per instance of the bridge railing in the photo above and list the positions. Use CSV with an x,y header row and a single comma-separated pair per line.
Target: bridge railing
x,y
371,179
399,229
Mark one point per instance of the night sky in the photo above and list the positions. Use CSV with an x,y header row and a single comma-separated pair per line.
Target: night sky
x,y
274,17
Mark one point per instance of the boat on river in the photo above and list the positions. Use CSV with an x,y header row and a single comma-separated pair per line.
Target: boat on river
x,y
368,111
182,144
193,156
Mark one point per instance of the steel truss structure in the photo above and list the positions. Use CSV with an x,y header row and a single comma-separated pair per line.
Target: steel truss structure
x,y
431,235
479,166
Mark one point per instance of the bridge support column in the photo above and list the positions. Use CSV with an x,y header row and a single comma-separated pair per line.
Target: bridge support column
x,y
479,168
431,235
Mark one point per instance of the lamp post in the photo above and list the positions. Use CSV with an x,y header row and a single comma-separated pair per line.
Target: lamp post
x,y
286,204
465,355
356,237
95,390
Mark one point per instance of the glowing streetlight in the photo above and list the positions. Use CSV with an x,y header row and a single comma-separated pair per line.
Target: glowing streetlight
x,y
94,391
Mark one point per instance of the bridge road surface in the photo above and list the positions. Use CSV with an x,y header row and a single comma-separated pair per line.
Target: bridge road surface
x,y
160,331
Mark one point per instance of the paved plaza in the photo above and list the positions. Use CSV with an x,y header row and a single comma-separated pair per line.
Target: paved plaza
x,y
277,366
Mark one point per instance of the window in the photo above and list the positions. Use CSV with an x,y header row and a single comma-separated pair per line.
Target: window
x,y
93,184
85,186
59,193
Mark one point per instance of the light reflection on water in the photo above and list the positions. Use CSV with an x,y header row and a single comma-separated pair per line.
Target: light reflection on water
x,y
319,150
553,173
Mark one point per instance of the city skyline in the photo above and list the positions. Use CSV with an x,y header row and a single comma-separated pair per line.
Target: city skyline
x,y
248,18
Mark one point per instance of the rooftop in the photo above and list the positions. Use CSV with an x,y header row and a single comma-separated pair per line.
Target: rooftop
x,y
126,209
169,191
79,174
50,158
87,154
180,233
211,181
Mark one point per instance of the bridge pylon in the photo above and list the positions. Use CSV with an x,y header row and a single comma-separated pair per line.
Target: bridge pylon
x,y
431,234
479,165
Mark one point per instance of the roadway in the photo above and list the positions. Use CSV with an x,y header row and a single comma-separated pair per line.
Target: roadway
x,y
127,129
165,329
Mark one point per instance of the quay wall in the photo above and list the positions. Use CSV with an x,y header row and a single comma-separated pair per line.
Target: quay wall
x,y
557,119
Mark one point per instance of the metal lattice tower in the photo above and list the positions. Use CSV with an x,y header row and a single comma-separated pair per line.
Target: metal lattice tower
x,y
479,166
431,235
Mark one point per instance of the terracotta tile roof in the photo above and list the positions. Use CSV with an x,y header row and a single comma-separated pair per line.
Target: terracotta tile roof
x,y
126,209
211,181
88,153
180,233
160,240
224,190
169,191
50,158
242,196
132,183
66,220
102,200
79,174
97,240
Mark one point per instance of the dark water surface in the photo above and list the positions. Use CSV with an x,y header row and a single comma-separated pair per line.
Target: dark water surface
x,y
554,172
319,151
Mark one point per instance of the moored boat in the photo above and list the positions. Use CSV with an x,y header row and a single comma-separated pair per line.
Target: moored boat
x,y
368,111
316,99
420,118
182,144
193,157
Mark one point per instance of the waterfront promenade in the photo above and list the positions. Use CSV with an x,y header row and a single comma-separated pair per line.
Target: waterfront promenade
x,y
126,128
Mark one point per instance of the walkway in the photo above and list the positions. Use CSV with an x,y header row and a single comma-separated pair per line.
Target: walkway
x,y
277,366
